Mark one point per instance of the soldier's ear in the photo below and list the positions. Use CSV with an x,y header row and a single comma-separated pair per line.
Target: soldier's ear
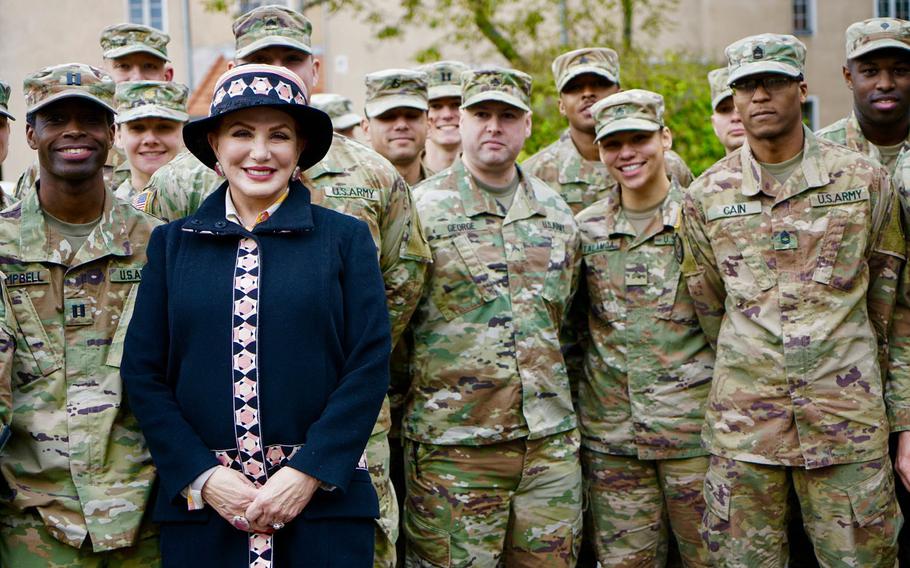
x,y
666,138
848,76
168,72
365,126
30,136
562,107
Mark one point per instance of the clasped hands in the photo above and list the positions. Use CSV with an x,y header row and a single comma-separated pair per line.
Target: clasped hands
x,y
266,508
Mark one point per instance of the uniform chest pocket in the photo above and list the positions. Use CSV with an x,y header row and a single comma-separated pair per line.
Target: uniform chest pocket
x,y
841,255
606,283
674,302
461,283
739,245
43,355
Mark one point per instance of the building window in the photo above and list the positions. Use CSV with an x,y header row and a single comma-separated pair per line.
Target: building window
x,y
892,9
804,17
247,5
147,12
810,112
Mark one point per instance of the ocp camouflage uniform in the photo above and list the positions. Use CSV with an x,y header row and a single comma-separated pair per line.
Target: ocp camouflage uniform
x,y
355,180
647,370
490,395
583,182
863,38
847,132
76,462
796,293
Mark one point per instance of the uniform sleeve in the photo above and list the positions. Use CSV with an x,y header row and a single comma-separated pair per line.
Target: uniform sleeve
x,y
404,256
336,440
173,192
678,169
887,270
7,353
179,453
699,268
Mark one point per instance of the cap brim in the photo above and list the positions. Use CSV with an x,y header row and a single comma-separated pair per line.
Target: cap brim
x,y
313,123
497,96
151,111
444,91
376,107
720,98
760,67
583,70
346,121
879,44
269,41
627,124
70,94
135,48
7,114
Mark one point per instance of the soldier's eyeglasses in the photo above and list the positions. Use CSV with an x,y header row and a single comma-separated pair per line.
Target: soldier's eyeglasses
x,y
773,84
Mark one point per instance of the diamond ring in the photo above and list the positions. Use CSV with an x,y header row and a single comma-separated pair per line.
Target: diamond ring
x,y
278,526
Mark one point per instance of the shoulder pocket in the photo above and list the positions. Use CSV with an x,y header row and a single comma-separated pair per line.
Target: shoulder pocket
x,y
842,252
675,303
115,352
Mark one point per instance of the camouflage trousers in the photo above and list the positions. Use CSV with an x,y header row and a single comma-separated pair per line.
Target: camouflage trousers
x,y
378,462
631,502
515,504
26,543
849,511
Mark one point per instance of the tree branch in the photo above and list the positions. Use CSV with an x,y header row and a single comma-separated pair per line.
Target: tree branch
x,y
489,30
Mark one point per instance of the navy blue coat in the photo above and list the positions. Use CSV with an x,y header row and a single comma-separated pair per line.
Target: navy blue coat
x,y
323,351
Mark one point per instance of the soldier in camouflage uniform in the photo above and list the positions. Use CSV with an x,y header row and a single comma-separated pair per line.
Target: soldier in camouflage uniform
x,y
492,445
571,165
76,470
5,117
132,52
878,72
351,179
444,99
340,109
648,365
728,126
150,119
396,120
793,251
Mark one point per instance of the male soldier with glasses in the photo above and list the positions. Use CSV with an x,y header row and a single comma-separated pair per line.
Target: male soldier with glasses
x,y
793,247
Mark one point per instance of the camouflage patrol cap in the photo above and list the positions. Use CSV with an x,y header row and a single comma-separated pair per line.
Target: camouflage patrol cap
x,y
4,100
601,61
151,99
877,33
635,109
720,89
68,81
122,39
493,83
340,109
765,53
271,25
395,88
444,78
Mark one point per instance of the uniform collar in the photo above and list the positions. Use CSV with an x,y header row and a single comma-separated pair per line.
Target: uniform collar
x,y
619,225
109,237
477,201
294,215
574,168
855,138
811,172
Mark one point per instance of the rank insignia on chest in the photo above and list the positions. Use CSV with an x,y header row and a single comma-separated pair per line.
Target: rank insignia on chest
x,y
636,276
784,240
77,312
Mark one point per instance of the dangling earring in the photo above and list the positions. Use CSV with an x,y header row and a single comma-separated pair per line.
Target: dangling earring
x,y
218,169
296,175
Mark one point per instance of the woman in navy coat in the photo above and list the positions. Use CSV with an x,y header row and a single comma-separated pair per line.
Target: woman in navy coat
x,y
257,356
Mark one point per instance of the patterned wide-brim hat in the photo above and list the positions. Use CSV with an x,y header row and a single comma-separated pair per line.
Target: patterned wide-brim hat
x,y
251,86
